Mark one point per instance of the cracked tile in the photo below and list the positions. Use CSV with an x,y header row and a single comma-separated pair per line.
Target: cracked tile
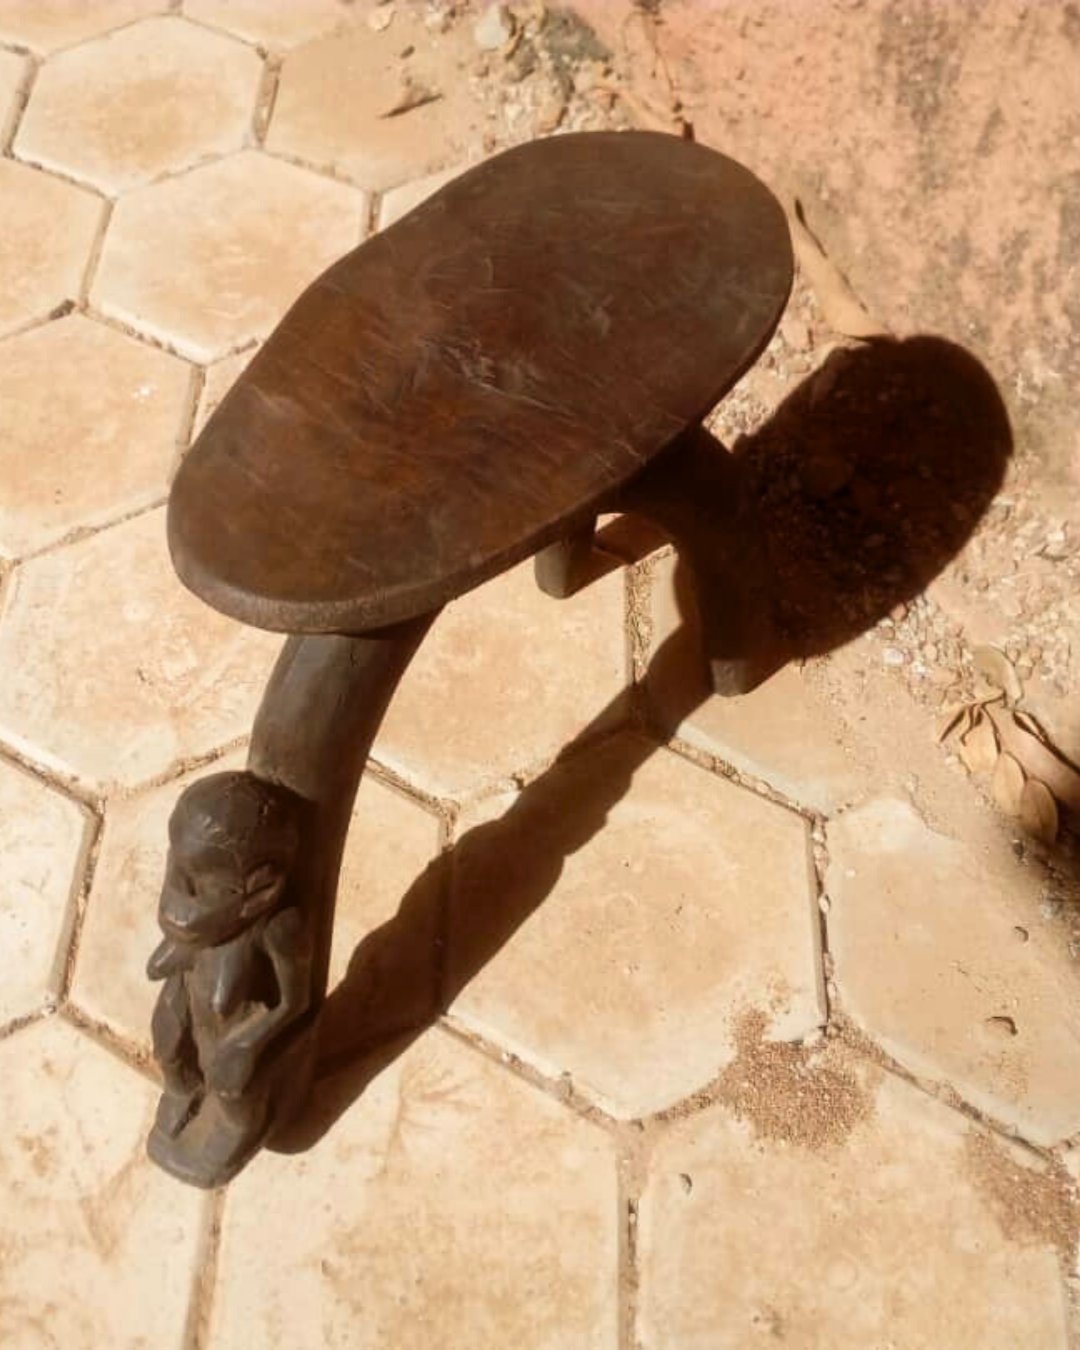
x,y
212,259
103,450
336,96
910,1230
452,1205
84,1211
493,689
49,230
612,920
111,671
943,956
157,96
43,843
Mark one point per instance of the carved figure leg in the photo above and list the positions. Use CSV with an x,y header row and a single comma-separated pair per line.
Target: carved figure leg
x,y
174,1050
248,905
695,493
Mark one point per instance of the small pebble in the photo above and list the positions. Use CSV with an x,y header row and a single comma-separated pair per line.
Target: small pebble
x,y
493,29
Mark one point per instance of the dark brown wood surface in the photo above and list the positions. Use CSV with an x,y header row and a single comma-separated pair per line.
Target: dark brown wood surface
x,y
471,383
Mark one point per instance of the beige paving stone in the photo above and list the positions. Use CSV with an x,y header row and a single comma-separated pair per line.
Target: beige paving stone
x,y
504,679
46,25
102,450
400,201
111,671
389,846
275,24
786,732
898,1235
212,259
614,919
452,1206
220,378
13,70
49,230
944,957
43,843
335,95
99,1247
154,97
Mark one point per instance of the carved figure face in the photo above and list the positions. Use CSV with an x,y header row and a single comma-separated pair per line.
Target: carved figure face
x,y
233,839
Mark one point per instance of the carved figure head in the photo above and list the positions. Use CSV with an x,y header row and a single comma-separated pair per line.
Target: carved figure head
x,y
233,839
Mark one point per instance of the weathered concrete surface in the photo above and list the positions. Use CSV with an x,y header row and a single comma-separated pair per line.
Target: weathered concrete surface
x,y
935,149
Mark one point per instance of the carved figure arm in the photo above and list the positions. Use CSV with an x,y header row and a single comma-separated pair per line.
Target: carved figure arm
x,y
287,943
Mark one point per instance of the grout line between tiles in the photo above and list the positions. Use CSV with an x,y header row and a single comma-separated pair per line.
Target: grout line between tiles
x,y
265,100
201,1305
97,248
19,103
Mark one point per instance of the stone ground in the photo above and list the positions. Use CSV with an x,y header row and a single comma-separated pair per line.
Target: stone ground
x,y
739,1022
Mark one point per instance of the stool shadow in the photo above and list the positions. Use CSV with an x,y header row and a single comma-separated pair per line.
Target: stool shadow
x,y
870,477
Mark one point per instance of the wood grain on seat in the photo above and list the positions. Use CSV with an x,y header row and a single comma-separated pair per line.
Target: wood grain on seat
x,y
472,382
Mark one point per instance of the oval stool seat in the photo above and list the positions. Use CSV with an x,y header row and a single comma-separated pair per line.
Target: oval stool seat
x,y
469,385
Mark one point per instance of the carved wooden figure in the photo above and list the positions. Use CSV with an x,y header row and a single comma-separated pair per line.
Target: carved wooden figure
x,y
535,344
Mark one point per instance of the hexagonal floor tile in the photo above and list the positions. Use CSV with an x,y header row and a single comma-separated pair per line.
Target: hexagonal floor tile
x,y
157,96
272,23
786,732
453,1205
390,843
505,678
614,918
914,1230
43,842
61,23
49,230
944,958
336,97
13,70
212,259
111,671
100,1248
104,449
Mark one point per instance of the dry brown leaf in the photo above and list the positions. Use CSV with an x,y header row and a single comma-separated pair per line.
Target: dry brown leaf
x,y
996,668
412,95
1037,759
1038,811
843,311
979,747
957,717
1007,785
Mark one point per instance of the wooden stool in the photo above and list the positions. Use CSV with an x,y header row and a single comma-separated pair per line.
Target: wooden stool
x,y
535,344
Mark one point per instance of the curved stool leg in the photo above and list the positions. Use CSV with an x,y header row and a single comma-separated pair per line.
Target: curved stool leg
x,y
695,493
247,907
